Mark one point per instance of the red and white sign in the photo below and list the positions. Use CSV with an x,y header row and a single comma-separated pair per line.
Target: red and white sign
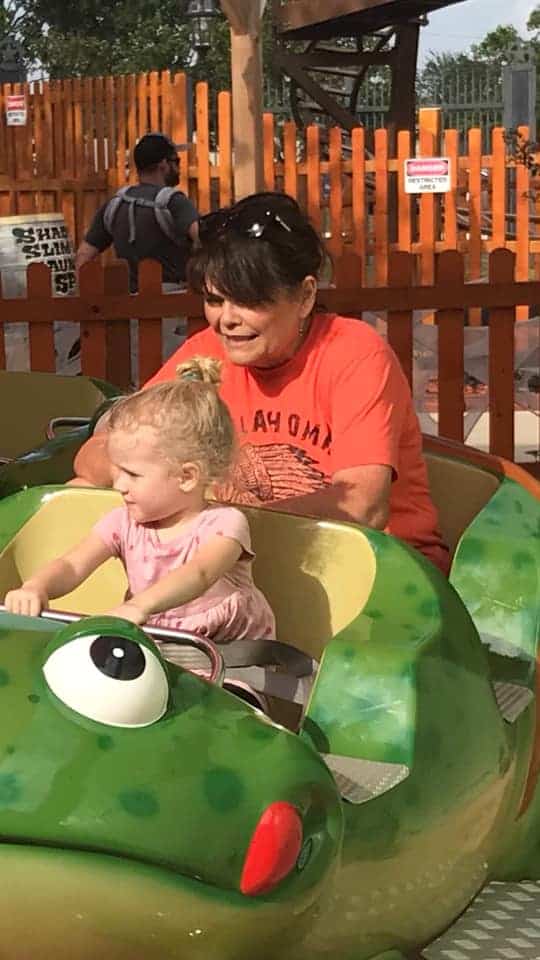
x,y
16,110
427,175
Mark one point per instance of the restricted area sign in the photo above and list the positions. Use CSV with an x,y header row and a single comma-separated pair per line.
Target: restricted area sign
x,y
16,111
427,175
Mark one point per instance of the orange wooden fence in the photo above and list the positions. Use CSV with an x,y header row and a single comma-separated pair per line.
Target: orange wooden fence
x,y
76,149
103,305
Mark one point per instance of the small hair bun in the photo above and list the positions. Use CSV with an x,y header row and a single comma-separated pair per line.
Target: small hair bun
x,y
204,369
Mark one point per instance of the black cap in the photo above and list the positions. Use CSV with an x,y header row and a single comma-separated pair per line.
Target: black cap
x,y
152,148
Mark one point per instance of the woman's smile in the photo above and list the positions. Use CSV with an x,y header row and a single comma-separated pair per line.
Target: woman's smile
x,y
239,337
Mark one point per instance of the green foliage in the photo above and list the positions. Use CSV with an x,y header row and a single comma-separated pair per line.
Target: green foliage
x,y
499,46
438,71
76,38
93,37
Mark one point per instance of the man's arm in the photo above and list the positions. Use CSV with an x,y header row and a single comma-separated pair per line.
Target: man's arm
x,y
96,240
358,494
85,253
185,216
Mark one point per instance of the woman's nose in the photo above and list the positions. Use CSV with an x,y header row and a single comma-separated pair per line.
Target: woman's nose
x,y
228,318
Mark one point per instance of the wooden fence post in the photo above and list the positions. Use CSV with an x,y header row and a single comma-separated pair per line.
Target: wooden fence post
x,y
501,360
450,273
118,370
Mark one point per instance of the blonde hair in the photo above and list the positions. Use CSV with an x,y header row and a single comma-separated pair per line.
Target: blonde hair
x,y
191,421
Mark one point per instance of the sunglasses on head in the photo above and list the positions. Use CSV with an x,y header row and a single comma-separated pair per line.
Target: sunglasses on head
x,y
254,224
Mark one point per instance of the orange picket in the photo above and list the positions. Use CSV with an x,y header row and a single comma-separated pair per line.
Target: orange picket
x,y
405,201
225,149
429,120
203,147
131,127
268,151
358,200
498,189
155,120
335,169
290,176
122,151
451,144
523,205
179,128
475,213
381,207
313,177
99,101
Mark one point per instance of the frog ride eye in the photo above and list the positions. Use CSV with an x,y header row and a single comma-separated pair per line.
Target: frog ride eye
x,y
110,679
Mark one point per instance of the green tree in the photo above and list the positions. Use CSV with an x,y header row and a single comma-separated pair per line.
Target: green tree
x,y
97,37
499,46
438,73
75,38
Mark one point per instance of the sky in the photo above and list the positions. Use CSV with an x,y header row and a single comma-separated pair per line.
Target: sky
x,y
456,27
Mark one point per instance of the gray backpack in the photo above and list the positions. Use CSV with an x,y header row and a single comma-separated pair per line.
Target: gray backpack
x,y
160,206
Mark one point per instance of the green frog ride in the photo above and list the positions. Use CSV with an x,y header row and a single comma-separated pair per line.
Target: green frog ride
x,y
147,812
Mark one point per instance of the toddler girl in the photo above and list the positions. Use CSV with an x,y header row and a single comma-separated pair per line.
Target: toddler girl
x,y
188,562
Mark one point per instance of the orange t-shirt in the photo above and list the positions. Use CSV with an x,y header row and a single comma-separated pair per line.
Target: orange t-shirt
x,y
342,401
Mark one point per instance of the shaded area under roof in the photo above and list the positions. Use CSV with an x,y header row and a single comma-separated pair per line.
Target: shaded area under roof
x,y
326,19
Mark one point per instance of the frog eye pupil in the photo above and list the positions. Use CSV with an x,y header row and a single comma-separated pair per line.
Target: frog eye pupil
x,y
118,657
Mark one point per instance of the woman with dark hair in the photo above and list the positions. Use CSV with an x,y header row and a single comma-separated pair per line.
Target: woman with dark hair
x,y
322,408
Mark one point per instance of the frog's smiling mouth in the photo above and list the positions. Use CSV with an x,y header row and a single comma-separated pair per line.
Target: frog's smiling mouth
x,y
86,905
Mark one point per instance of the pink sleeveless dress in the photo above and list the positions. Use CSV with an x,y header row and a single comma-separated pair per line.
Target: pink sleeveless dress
x,y
232,609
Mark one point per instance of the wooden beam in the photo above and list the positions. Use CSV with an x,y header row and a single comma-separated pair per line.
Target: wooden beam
x,y
247,107
303,13
245,19
402,112
287,63
244,16
329,58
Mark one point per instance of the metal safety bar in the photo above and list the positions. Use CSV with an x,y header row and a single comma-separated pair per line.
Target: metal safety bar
x,y
57,422
181,637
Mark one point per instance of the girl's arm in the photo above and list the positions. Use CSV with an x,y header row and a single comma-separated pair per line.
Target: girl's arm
x,y
58,577
213,560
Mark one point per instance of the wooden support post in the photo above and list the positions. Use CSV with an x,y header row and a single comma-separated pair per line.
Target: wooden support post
x,y
402,112
245,18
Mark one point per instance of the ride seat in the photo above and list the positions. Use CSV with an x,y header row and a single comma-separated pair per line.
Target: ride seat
x,y
317,575
459,490
29,401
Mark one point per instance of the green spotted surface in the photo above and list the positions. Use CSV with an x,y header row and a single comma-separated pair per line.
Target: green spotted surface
x,y
130,843
151,793
496,571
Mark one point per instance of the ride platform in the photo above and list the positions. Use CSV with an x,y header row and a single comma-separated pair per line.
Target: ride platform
x,y
502,923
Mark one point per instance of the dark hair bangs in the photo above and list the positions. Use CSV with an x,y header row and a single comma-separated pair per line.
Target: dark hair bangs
x,y
246,271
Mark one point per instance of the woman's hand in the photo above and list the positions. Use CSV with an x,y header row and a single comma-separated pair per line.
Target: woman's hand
x,y
27,601
129,611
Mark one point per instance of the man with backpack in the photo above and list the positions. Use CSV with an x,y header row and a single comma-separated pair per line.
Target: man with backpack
x,y
149,220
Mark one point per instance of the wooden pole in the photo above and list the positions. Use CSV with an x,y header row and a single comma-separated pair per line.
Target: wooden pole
x,y
245,19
